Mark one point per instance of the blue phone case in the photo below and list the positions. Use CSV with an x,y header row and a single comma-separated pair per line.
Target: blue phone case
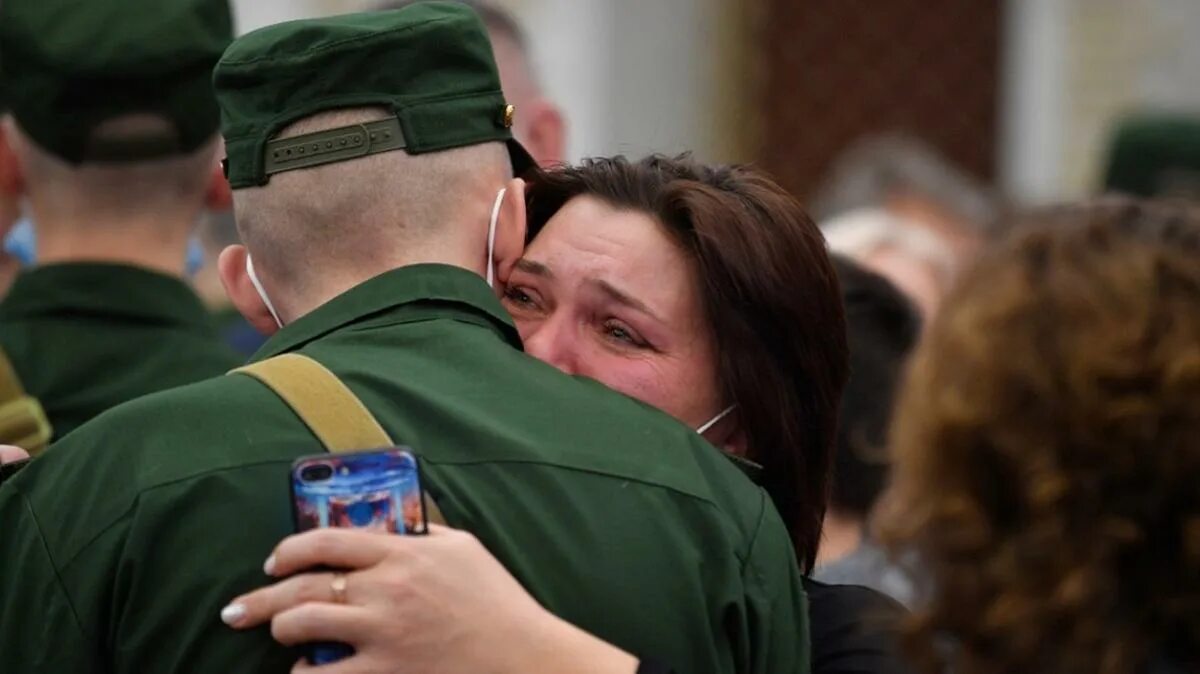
x,y
378,490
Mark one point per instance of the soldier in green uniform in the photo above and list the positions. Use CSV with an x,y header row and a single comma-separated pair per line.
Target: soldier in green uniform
x,y
370,156
113,128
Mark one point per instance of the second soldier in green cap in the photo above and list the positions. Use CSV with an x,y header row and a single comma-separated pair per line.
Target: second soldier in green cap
x,y
113,130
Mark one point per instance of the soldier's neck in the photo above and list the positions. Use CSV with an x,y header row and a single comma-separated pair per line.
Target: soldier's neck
x,y
308,299
159,245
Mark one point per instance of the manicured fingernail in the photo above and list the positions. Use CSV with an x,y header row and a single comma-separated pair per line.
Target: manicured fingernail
x,y
233,614
269,566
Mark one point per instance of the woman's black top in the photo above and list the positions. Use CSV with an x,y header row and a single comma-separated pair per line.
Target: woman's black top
x,y
853,631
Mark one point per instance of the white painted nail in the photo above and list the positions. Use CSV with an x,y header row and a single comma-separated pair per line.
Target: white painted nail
x,y
233,613
269,566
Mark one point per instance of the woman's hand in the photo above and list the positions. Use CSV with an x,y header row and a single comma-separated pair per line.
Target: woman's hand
x,y
430,604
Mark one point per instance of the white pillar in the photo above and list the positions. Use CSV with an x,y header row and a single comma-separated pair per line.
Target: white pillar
x,y
1032,110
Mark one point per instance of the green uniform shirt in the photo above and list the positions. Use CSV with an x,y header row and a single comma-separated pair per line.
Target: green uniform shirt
x,y
123,541
84,338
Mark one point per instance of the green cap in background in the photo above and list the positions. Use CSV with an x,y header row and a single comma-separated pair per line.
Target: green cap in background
x,y
70,65
1155,155
430,63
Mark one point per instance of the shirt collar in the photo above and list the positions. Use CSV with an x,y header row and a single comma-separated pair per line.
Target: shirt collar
x,y
450,286
103,289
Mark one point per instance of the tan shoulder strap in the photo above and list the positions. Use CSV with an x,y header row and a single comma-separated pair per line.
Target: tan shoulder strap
x,y
330,409
327,406
23,422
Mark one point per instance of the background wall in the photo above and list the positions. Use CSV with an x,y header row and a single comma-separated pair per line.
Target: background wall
x,y
837,71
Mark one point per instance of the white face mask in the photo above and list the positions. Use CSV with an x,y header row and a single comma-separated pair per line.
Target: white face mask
x,y
491,245
262,293
713,421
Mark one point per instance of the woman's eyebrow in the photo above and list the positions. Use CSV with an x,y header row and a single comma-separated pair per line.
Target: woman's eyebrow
x,y
535,268
623,298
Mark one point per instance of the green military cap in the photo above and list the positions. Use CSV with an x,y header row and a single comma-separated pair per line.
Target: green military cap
x,y
1154,155
429,63
69,66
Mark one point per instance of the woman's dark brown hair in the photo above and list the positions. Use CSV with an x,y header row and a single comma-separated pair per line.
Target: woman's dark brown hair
x,y
772,301
1046,450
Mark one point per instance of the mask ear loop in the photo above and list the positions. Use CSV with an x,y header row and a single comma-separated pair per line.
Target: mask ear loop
x,y
491,244
262,292
713,422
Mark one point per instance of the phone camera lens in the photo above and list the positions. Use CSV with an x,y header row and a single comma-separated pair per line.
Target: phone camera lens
x,y
317,473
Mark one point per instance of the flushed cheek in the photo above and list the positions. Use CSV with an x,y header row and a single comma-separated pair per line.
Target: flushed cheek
x,y
652,382
525,328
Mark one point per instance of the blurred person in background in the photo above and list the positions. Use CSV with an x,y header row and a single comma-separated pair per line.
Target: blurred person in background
x,y
374,256
10,206
1155,155
920,264
909,179
539,124
216,232
675,283
1047,451
883,327
111,137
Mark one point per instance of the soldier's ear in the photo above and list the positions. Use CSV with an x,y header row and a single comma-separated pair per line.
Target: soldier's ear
x,y
231,266
510,232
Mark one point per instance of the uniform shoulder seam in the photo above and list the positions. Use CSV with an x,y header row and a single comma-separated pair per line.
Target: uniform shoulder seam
x,y
745,555
55,568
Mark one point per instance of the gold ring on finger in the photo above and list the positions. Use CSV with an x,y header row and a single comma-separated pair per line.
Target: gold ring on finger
x,y
338,585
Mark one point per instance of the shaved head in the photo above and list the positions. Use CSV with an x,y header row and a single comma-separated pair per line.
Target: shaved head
x,y
117,190
374,212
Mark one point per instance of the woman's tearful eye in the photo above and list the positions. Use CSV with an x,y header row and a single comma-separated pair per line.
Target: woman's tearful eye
x,y
622,334
520,298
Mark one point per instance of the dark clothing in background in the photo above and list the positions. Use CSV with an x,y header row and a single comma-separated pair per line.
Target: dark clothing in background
x,y
853,630
86,337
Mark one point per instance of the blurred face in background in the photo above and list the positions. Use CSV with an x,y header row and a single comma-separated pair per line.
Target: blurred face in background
x,y
10,209
607,294
916,278
538,123
960,235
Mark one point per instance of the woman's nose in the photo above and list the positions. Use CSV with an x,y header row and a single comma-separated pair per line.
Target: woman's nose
x,y
549,343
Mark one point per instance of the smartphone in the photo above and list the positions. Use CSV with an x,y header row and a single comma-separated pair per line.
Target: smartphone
x,y
378,490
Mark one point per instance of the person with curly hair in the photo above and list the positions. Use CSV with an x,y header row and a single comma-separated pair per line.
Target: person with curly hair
x,y
1047,451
